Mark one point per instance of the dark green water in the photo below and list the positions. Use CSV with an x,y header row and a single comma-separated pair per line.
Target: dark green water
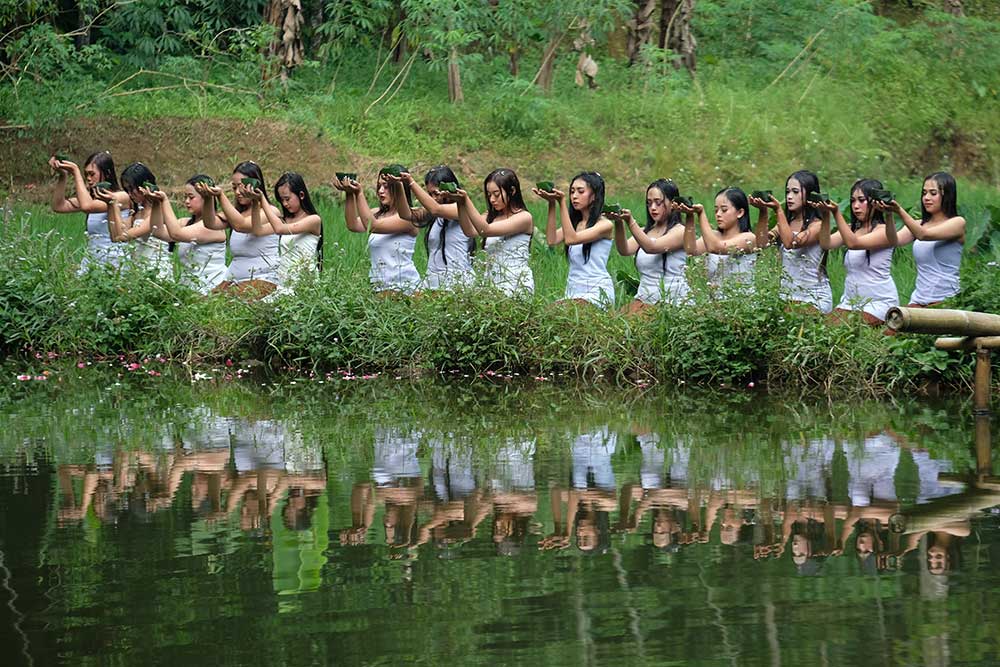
x,y
158,520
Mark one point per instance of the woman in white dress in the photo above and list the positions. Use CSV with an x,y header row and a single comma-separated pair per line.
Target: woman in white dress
x,y
150,241
253,245
391,239
937,239
587,235
299,228
507,228
658,248
869,239
97,168
448,241
803,265
200,250
731,245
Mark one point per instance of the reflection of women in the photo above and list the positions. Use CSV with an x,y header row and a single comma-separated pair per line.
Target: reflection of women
x,y
396,472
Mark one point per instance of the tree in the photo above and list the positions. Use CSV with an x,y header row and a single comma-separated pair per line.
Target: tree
x,y
286,46
639,28
675,31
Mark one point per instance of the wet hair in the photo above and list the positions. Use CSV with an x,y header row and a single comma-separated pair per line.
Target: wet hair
x,y
867,187
197,178
810,183
437,176
738,199
669,190
949,195
875,216
251,169
105,165
596,184
297,185
384,208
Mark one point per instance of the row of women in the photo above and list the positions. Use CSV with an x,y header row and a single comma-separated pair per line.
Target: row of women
x,y
270,246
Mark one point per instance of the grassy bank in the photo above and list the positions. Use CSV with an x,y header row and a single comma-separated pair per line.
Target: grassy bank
x,y
334,322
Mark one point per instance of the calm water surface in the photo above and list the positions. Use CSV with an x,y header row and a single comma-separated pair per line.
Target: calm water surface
x,y
160,520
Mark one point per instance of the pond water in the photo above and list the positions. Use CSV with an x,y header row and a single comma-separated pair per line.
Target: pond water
x,y
330,521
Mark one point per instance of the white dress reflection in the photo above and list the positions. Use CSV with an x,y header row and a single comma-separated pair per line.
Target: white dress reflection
x,y
592,454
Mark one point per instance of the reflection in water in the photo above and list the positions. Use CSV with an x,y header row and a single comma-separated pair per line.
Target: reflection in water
x,y
632,515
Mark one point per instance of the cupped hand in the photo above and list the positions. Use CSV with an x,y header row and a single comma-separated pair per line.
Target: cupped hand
x,y
551,197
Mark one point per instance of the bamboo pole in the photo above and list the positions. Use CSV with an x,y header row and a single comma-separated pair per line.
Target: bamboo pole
x,y
968,343
982,387
943,321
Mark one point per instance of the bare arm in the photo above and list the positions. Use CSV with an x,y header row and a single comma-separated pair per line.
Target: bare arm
x,y
189,233
626,247
876,239
672,240
828,241
693,246
60,204
554,234
308,224
431,205
950,230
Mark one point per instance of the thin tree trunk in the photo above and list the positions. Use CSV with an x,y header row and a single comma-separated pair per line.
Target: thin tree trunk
x,y
675,32
454,78
83,24
514,55
286,47
639,29
546,70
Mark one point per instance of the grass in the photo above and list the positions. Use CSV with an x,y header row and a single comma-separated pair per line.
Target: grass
x,y
334,322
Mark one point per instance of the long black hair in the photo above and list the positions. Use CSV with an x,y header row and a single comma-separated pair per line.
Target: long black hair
x,y
509,185
437,176
297,185
382,208
105,165
949,195
251,169
135,176
738,199
670,191
809,183
595,182
867,187
875,216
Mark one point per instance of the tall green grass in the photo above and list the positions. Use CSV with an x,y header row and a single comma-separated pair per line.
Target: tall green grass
x,y
334,321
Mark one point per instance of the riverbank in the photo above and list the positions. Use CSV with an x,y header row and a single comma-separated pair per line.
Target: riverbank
x,y
334,323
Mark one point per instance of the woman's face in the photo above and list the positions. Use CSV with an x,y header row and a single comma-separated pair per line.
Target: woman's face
x,y
937,560
859,205
800,549
434,190
235,181
865,544
794,195
290,200
91,174
580,195
930,196
658,205
727,216
192,200
383,191
496,197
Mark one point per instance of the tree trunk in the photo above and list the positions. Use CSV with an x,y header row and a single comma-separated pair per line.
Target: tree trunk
x,y
514,55
83,24
454,78
546,71
286,47
675,31
954,7
640,28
